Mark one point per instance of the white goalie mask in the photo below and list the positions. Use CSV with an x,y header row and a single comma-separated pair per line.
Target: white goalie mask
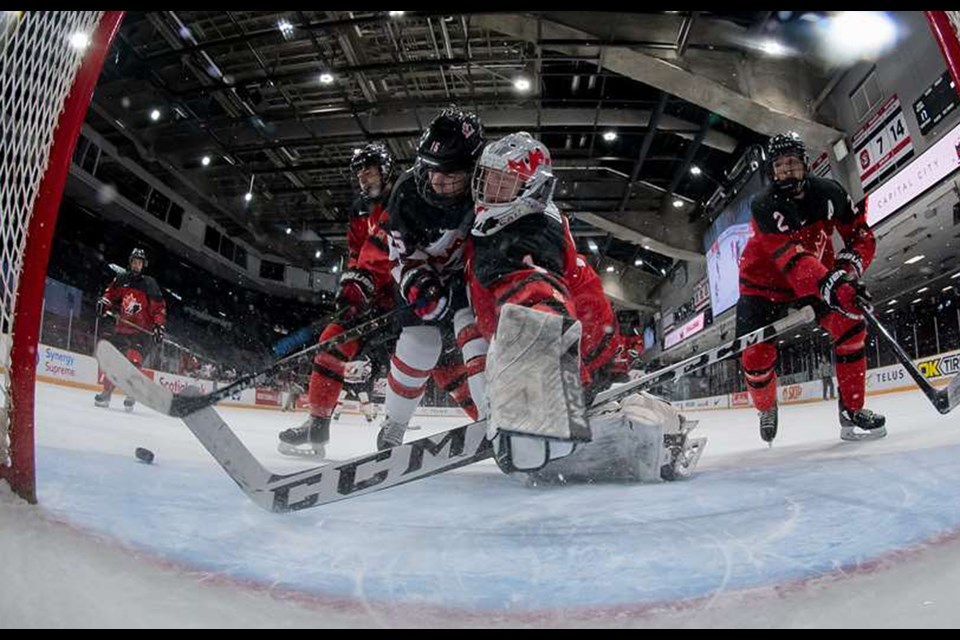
x,y
513,178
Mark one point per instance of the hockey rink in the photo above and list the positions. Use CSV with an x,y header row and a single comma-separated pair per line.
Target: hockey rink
x,y
812,533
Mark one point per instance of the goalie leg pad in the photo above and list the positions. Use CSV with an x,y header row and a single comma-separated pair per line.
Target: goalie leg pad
x,y
534,376
620,451
643,440
514,453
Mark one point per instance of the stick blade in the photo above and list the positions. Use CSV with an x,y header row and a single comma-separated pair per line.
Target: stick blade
x,y
134,383
952,394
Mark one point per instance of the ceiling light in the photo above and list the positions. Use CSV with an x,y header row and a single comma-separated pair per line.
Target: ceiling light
x,y
521,84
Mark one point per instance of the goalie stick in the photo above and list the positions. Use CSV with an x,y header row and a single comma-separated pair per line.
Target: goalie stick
x,y
376,471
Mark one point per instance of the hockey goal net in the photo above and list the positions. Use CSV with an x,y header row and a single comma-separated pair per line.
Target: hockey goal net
x,y
49,64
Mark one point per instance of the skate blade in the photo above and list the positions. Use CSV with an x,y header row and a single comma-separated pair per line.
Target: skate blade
x,y
293,451
847,434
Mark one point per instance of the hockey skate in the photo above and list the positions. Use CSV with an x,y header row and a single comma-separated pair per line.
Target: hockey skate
x,y
102,400
128,404
768,425
864,424
391,434
683,452
308,440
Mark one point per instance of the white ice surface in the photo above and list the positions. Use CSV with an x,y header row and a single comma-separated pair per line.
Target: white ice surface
x,y
814,532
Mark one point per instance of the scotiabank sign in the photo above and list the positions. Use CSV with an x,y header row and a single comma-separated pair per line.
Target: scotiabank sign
x,y
688,330
935,164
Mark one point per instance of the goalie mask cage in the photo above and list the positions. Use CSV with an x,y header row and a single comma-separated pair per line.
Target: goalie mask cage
x,y
49,65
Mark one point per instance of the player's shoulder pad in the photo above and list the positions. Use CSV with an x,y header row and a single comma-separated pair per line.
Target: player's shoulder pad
x,y
838,195
827,186
122,279
359,208
403,193
153,289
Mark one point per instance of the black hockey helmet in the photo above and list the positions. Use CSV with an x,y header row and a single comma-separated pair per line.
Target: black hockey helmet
x,y
138,253
787,144
373,154
451,144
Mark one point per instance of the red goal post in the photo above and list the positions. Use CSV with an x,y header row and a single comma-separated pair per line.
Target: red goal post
x,y
49,65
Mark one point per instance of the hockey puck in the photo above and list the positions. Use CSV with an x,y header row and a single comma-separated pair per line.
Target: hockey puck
x,y
144,455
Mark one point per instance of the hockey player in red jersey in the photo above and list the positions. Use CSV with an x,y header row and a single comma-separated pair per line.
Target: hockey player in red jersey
x,y
553,335
136,302
366,285
790,261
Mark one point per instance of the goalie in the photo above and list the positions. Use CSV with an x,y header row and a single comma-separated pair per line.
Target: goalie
x,y
530,291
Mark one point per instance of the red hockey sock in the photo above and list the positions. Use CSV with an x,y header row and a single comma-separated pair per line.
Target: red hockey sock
x,y
759,367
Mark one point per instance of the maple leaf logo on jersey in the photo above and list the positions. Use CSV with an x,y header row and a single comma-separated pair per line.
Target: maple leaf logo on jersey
x,y
131,306
468,130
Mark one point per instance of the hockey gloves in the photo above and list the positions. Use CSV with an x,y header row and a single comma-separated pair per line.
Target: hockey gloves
x,y
357,288
843,292
423,289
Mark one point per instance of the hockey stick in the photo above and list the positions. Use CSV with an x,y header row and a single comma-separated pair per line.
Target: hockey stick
x,y
337,481
303,336
166,340
668,374
373,472
179,406
944,400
